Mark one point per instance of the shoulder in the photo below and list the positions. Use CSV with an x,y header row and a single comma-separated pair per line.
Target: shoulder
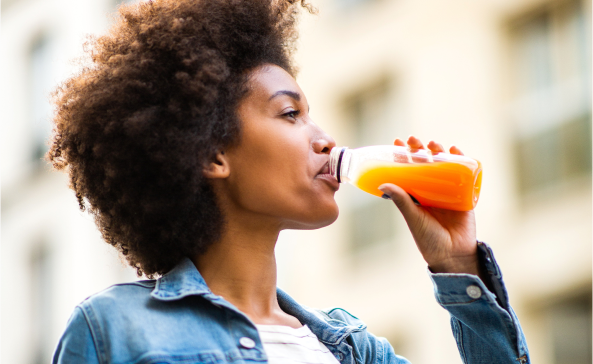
x,y
114,306
76,344
122,293
85,336
125,323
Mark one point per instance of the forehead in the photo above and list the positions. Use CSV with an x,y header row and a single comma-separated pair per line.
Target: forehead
x,y
268,79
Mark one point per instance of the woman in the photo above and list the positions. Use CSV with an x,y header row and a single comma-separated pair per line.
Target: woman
x,y
191,143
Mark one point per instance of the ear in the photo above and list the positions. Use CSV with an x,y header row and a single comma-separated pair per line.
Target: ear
x,y
218,168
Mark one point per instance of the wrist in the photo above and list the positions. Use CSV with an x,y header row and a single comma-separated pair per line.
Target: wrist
x,y
465,264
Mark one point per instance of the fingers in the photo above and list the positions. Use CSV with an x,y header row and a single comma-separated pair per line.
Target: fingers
x,y
435,147
455,150
415,143
399,142
402,200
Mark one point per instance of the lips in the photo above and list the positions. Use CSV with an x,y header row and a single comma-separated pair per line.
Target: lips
x,y
326,176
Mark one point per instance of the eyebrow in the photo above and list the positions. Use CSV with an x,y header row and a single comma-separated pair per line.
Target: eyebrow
x,y
292,94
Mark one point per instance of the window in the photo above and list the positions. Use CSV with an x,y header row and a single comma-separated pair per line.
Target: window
x,y
570,323
41,83
552,100
42,298
370,121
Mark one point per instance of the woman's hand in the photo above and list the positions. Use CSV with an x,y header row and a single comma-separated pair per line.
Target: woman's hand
x,y
446,239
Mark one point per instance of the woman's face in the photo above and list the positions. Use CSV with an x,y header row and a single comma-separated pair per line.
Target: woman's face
x,y
279,172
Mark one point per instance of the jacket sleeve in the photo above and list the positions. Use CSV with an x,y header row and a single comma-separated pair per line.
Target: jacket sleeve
x,y
76,344
484,325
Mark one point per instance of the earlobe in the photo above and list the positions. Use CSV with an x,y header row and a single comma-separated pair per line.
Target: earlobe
x,y
217,168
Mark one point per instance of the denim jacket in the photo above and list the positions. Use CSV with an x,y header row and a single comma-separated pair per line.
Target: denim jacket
x,y
177,319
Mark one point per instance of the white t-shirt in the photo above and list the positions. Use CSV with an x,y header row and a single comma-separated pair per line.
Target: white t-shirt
x,y
285,345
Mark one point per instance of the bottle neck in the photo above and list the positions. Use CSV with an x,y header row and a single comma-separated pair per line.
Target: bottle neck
x,y
339,163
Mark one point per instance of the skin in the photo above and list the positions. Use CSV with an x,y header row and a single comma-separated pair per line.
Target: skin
x,y
277,178
446,239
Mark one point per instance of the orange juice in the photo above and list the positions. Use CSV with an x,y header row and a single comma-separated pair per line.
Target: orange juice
x,y
447,185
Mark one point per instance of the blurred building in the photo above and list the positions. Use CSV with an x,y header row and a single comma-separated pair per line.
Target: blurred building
x,y
52,254
509,82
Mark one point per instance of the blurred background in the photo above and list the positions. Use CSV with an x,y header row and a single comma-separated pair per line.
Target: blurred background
x,y
508,81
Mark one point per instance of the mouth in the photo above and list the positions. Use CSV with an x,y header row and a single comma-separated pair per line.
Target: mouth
x,y
326,176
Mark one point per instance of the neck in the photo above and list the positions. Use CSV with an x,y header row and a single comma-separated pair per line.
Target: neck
x,y
241,267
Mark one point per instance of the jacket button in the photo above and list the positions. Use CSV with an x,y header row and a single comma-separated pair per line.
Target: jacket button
x,y
474,292
247,343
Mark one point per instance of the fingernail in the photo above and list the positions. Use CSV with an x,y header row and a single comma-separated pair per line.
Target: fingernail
x,y
414,199
385,195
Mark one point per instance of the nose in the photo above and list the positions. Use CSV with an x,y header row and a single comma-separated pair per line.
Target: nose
x,y
323,143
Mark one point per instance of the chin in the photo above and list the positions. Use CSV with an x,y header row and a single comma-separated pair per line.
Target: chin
x,y
322,218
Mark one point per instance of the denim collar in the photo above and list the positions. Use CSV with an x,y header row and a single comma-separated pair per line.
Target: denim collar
x,y
327,330
181,281
185,280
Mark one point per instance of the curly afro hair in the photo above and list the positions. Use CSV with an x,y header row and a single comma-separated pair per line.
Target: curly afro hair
x,y
136,126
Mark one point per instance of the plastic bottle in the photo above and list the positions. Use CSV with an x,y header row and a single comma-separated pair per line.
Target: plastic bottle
x,y
443,180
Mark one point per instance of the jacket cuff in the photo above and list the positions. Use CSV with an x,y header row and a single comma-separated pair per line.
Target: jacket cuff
x,y
459,288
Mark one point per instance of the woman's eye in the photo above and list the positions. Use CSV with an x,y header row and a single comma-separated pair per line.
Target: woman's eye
x,y
292,114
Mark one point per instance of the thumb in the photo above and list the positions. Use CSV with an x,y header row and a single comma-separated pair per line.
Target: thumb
x,y
402,200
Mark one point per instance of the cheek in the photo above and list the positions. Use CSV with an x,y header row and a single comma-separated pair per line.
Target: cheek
x,y
263,177
285,191
272,175
269,188
272,167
